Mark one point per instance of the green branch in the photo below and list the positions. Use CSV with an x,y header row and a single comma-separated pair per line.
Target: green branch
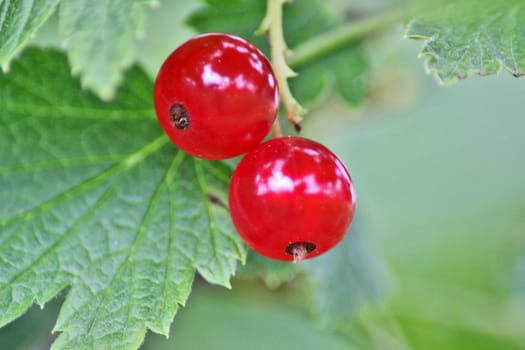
x,y
339,37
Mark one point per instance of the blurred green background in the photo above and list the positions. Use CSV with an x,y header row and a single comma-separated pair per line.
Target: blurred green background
x,y
440,177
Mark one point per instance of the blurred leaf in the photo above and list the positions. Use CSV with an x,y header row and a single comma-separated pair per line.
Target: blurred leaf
x,y
19,20
302,21
239,320
352,75
468,37
101,201
349,73
240,17
274,273
496,320
100,39
347,278
312,85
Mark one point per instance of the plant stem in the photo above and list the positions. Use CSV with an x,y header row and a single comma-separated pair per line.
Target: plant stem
x,y
272,23
341,36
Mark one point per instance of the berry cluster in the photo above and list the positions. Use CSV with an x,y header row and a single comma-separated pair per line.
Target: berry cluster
x,y
290,198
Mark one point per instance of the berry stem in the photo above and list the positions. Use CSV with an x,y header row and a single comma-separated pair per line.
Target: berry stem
x,y
276,128
272,23
330,41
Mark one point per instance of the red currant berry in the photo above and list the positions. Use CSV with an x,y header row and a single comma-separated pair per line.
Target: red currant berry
x,y
291,199
216,96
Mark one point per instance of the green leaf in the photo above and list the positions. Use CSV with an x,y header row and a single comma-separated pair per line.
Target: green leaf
x,y
100,202
100,38
302,21
19,20
462,38
347,278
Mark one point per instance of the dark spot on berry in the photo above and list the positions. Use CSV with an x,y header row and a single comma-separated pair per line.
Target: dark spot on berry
x,y
179,116
217,201
295,247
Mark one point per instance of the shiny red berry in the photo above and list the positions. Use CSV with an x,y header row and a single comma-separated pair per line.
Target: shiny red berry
x,y
216,96
291,199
